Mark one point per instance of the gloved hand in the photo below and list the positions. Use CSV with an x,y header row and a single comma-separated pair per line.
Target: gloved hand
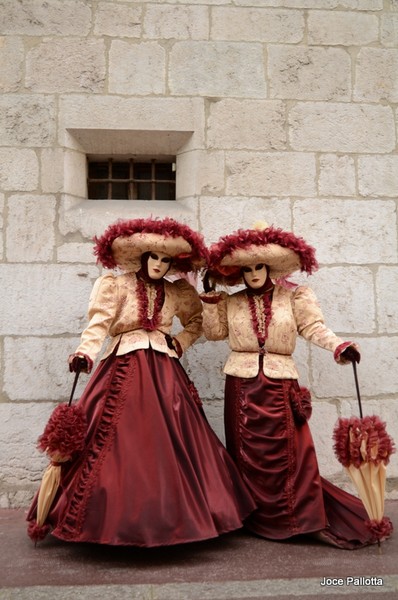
x,y
351,354
80,362
174,344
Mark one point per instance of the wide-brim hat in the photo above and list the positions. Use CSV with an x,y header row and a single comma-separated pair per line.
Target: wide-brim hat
x,y
282,252
123,244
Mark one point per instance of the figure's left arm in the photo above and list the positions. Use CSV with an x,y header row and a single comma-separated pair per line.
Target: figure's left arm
x,y
311,326
189,312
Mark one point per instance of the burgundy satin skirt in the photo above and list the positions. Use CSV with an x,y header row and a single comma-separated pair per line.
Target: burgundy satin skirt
x,y
277,460
153,472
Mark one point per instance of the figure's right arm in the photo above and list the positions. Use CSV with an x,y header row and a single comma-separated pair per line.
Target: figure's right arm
x,y
215,318
101,313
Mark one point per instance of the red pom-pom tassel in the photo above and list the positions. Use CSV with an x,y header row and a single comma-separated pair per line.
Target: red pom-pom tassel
x,y
65,431
36,532
380,530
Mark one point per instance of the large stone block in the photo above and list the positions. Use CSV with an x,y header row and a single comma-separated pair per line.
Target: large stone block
x,y
11,64
75,252
378,176
204,364
88,218
389,30
330,380
75,174
301,357
45,299
246,124
27,120
200,172
221,216
19,170
257,24
52,167
118,20
346,298
348,231
337,127
324,416
336,175
377,370
270,174
386,295
30,228
21,464
137,69
214,411
66,65
40,18
217,69
37,369
376,75
129,115
342,28
1,225
305,73
176,22
372,5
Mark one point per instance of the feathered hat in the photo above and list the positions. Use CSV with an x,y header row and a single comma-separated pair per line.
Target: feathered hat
x,y
282,252
123,244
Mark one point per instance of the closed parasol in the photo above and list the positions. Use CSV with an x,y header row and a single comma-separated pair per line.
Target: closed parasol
x,y
62,438
363,446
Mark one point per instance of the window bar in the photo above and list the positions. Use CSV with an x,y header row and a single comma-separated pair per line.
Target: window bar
x,y
153,181
131,179
110,179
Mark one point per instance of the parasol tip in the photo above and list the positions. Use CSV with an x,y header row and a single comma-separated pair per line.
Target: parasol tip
x,y
36,532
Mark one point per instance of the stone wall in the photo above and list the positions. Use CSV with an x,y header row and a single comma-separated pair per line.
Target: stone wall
x,y
283,110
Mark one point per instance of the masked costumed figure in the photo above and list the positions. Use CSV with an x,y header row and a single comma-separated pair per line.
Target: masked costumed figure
x,y
152,472
266,411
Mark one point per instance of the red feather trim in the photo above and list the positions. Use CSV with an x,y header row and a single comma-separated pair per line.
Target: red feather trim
x,y
247,237
349,434
300,400
37,533
380,530
261,332
215,299
149,323
65,431
167,227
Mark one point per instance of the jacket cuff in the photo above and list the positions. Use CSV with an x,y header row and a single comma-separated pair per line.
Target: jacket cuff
x,y
210,299
339,350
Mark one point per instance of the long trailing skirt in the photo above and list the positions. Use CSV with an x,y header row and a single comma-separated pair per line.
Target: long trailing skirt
x,y
277,460
153,472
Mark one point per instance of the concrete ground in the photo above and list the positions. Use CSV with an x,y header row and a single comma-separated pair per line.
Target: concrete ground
x,y
237,566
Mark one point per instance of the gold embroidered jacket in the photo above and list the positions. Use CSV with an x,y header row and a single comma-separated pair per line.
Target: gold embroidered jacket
x,y
294,312
114,310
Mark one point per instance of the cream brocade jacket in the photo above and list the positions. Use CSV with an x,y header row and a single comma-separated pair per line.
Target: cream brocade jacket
x,y
114,311
294,312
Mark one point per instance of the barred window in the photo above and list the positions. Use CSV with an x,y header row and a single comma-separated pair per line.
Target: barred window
x,y
131,178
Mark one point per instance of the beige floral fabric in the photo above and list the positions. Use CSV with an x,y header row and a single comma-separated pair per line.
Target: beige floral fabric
x,y
114,312
294,312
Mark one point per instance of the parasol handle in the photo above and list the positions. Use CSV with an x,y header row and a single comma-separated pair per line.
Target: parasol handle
x,y
354,366
78,371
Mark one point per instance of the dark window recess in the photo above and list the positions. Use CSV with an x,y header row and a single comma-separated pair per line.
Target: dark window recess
x,y
131,179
